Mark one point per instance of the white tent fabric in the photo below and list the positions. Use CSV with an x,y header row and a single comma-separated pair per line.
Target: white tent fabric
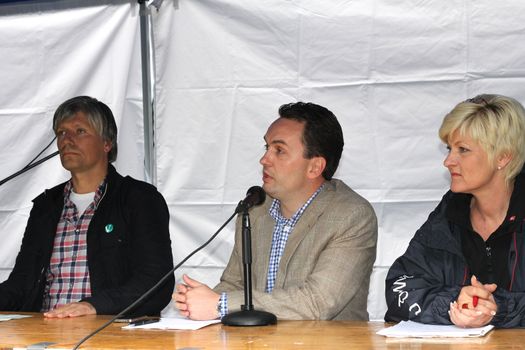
x,y
50,53
389,70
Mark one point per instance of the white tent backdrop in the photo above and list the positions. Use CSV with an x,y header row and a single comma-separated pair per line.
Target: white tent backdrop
x,y
49,53
389,70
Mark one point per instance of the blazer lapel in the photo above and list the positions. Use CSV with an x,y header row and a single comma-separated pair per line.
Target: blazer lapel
x,y
302,228
262,242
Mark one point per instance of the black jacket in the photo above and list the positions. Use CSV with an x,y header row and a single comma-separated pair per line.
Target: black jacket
x,y
422,283
122,264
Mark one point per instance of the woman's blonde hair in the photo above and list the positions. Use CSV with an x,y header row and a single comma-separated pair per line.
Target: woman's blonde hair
x,y
496,122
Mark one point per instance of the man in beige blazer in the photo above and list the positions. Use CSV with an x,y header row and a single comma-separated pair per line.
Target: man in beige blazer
x,y
313,239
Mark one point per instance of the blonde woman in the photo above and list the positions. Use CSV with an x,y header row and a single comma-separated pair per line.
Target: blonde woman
x,y
466,264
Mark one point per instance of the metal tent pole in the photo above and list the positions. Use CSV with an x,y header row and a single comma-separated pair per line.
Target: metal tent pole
x,y
148,99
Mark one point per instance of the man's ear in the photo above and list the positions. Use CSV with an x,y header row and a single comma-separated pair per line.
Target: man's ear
x,y
107,146
316,168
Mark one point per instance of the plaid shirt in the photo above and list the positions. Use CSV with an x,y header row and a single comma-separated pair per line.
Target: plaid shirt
x,y
283,228
68,273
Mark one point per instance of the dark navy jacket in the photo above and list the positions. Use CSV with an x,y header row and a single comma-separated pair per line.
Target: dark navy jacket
x,y
122,264
422,283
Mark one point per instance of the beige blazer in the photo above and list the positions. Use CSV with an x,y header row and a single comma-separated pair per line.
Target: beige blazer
x,y
325,269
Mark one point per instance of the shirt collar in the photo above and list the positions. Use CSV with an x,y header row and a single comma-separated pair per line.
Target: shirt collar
x,y
275,208
458,210
99,193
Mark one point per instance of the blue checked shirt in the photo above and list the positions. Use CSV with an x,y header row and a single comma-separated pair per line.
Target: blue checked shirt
x,y
283,228
281,231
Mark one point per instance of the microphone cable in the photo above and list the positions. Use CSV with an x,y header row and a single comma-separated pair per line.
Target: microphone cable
x,y
38,155
32,163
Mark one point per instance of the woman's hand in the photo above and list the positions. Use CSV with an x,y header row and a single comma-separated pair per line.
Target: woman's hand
x,y
475,306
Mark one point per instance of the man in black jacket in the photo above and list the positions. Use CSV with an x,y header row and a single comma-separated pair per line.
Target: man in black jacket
x,y
95,243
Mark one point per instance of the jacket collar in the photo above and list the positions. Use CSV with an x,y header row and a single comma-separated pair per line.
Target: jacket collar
x,y
516,211
56,194
438,232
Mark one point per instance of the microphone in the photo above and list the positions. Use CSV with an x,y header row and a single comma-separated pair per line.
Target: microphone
x,y
254,196
248,316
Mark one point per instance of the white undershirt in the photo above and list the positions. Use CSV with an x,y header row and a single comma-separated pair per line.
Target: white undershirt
x,y
82,201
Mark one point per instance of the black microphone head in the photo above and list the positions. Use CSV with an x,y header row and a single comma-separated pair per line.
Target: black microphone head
x,y
254,196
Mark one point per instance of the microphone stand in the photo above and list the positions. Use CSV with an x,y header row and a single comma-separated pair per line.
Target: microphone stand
x,y
248,316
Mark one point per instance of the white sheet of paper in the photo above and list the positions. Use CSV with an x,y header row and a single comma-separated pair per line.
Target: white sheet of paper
x,y
174,323
12,317
410,329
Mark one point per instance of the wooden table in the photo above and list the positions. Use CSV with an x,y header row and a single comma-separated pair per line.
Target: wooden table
x,y
285,335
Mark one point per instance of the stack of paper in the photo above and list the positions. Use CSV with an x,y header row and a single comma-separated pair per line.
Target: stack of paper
x,y
410,329
12,317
